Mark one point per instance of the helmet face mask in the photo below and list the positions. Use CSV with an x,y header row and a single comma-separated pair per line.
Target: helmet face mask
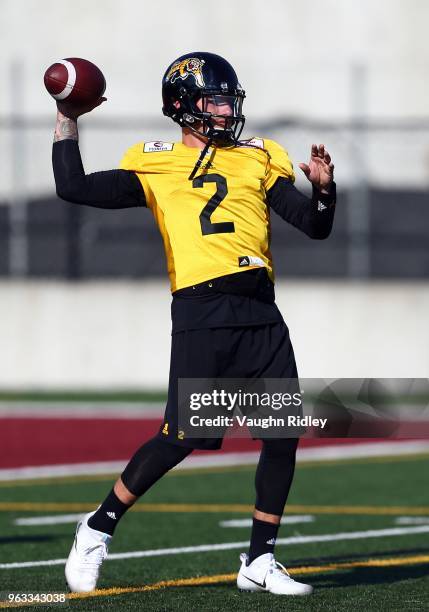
x,y
201,92
216,116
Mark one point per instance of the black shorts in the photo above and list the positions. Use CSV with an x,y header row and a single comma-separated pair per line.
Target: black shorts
x,y
262,351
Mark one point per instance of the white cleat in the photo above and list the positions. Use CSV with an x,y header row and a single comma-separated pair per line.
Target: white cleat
x,y
267,574
88,552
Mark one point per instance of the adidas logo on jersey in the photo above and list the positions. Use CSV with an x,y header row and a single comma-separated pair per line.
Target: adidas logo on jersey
x,y
248,260
321,206
111,515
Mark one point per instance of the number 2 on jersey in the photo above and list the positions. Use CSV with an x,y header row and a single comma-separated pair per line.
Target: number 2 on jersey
x,y
207,227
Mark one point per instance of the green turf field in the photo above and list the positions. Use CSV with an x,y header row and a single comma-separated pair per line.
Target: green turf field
x,y
383,572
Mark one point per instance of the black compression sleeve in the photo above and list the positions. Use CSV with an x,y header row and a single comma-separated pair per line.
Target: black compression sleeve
x,y
150,462
108,189
274,474
314,216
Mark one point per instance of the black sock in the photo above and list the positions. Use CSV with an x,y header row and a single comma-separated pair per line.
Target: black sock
x,y
263,538
108,514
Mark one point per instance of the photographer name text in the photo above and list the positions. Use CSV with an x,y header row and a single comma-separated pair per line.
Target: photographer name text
x,y
263,422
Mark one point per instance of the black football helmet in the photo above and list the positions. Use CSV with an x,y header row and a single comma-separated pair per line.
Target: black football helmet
x,y
211,81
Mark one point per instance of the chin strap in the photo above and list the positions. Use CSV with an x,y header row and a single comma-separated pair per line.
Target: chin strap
x,y
201,157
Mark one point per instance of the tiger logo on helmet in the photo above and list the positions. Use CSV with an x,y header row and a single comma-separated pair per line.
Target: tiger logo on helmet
x,y
185,68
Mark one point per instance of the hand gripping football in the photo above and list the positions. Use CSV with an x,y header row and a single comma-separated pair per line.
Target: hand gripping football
x,y
75,80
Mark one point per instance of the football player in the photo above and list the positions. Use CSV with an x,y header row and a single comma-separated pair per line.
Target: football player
x,y
211,195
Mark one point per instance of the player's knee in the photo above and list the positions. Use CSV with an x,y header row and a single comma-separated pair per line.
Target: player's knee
x,y
150,462
172,452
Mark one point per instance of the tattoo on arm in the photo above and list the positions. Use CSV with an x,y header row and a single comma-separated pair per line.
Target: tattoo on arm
x,y
66,129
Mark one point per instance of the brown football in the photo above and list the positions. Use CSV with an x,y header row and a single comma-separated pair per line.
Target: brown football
x,y
75,80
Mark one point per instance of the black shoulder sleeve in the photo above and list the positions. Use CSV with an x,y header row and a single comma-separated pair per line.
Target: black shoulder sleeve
x,y
314,216
108,189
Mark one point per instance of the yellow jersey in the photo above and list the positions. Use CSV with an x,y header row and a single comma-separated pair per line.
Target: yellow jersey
x,y
219,222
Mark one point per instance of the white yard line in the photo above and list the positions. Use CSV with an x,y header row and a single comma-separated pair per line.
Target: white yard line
x,y
318,453
411,412
412,520
286,520
55,519
365,449
70,469
82,410
329,537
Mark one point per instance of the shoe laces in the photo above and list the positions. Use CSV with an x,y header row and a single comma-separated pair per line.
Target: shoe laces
x,y
279,569
94,556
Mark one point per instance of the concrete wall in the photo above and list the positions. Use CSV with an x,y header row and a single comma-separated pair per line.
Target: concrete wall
x,y
118,335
